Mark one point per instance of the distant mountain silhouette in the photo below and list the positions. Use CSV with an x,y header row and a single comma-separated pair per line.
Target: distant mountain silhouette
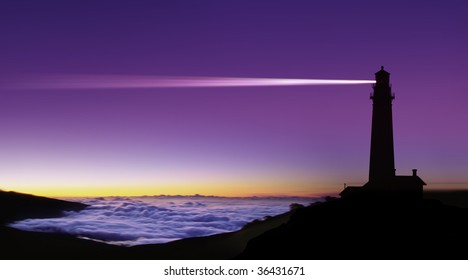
x,y
457,198
17,206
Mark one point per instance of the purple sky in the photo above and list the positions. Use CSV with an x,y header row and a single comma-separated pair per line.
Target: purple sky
x,y
261,140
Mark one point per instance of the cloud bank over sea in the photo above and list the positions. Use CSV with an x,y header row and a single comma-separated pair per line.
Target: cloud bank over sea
x,y
158,219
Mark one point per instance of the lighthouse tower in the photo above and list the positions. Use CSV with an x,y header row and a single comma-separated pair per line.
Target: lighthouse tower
x,y
383,182
382,160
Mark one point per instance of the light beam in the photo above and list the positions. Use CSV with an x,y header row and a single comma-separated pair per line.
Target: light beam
x,y
148,82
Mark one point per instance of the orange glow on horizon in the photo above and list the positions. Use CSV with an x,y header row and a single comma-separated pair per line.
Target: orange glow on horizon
x,y
215,189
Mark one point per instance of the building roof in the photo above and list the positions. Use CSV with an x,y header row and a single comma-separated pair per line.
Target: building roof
x,y
403,180
397,183
350,190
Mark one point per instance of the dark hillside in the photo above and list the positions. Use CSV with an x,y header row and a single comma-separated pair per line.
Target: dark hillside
x,y
374,229
17,206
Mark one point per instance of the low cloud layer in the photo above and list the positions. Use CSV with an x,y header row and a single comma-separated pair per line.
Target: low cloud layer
x,y
148,220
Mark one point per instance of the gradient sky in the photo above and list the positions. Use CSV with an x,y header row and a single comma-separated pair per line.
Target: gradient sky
x,y
302,140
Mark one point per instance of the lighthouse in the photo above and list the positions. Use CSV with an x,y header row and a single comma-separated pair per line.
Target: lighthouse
x,y
382,159
383,180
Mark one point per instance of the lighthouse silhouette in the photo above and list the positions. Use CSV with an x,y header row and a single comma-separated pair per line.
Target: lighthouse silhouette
x,y
383,181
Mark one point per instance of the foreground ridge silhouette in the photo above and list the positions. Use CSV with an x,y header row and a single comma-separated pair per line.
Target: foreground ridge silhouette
x,y
367,229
